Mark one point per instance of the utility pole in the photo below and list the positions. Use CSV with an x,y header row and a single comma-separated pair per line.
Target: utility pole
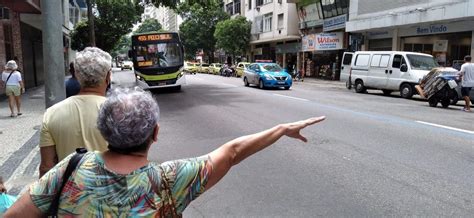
x,y
90,19
53,52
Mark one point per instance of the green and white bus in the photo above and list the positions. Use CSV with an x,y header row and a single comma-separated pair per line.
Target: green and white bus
x,y
158,60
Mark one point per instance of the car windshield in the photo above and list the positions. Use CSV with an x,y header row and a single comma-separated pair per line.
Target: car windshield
x,y
246,65
159,55
271,67
421,62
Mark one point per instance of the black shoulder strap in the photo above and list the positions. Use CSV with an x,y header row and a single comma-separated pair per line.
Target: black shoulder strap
x,y
73,162
9,77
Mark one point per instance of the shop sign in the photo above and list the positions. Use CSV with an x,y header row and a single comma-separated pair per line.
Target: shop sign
x,y
462,26
329,41
380,34
288,48
335,23
440,46
309,42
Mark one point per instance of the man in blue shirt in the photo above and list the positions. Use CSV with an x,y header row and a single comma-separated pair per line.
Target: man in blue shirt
x,y
72,85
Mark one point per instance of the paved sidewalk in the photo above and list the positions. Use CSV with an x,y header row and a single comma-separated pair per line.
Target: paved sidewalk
x,y
19,139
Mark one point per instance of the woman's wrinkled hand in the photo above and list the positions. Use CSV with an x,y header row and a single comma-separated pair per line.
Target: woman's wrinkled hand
x,y
293,129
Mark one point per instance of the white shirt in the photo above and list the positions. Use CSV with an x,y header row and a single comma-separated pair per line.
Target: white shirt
x,y
467,69
14,79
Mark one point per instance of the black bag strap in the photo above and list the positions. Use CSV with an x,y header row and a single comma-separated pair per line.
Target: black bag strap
x,y
72,165
9,77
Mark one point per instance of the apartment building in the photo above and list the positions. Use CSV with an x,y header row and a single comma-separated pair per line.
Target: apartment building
x,y
21,35
442,28
168,19
275,34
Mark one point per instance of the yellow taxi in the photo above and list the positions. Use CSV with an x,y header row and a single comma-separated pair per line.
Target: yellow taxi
x,y
190,67
215,68
203,68
241,66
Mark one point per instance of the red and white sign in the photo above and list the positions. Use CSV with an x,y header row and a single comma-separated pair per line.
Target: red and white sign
x,y
329,41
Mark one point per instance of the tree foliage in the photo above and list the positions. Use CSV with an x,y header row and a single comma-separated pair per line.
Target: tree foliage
x,y
197,30
233,35
149,25
112,19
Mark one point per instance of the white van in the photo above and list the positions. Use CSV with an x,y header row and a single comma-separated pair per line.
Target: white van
x,y
386,70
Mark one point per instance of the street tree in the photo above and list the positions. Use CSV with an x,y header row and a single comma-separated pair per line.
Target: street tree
x,y
149,25
112,20
233,35
197,30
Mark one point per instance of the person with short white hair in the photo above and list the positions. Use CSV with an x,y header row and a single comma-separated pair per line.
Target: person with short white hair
x,y
71,123
14,86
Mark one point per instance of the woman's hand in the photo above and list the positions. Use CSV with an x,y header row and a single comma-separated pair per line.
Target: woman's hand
x,y
293,129
22,90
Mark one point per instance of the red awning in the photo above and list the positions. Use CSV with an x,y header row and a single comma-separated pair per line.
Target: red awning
x,y
23,6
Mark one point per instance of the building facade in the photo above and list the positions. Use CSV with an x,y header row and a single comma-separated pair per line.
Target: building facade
x,y
274,35
324,39
21,35
168,19
442,28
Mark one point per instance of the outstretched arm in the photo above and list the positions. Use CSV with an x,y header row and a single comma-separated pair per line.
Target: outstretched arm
x,y
231,153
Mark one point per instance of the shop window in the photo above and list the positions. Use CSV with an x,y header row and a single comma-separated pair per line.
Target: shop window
x,y
280,22
375,60
267,22
362,60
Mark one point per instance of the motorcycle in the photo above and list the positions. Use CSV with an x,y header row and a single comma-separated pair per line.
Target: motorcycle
x,y
227,71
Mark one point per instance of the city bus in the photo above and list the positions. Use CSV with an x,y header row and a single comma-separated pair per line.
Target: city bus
x,y
158,60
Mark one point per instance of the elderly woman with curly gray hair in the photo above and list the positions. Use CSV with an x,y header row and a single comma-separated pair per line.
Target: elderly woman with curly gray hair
x,y
122,182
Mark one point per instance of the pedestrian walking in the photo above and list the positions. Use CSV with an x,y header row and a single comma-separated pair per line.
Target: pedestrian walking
x,y
121,182
14,87
71,123
72,85
467,77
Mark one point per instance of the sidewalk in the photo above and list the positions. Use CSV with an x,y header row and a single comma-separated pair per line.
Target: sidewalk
x,y
322,82
14,131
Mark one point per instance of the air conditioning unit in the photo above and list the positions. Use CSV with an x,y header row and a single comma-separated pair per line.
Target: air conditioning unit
x,y
4,13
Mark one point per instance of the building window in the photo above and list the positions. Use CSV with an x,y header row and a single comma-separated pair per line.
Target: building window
x,y
267,1
267,22
8,39
4,13
250,4
280,22
259,2
236,6
230,8
333,8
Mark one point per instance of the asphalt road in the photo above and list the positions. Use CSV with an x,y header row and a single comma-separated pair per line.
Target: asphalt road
x,y
373,156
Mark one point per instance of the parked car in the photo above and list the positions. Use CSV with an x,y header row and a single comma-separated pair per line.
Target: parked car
x,y
190,67
203,68
127,65
241,66
215,68
267,75
386,70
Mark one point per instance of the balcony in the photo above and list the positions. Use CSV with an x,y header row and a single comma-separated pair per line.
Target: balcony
x,y
23,6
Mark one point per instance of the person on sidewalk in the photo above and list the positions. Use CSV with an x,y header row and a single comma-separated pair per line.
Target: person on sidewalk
x,y
71,123
72,85
467,77
14,87
123,182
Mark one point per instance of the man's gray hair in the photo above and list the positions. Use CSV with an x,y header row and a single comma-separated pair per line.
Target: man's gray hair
x,y
91,66
128,117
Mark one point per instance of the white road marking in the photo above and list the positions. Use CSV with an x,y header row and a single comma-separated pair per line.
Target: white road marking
x,y
446,127
17,177
296,98
228,85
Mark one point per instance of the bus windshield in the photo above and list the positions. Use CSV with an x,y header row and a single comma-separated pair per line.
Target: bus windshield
x,y
159,55
421,62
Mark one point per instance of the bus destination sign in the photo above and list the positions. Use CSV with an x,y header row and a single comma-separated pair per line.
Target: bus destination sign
x,y
155,37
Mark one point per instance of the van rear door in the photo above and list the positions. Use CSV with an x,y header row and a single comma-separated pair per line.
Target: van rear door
x,y
346,65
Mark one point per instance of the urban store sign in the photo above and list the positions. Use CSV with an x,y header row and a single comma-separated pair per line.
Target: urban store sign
x,y
432,29
335,23
462,26
323,41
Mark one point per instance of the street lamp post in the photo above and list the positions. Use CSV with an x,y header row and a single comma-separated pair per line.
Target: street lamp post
x,y
53,52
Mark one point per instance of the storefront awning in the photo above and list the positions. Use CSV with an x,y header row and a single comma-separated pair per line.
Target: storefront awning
x,y
276,39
